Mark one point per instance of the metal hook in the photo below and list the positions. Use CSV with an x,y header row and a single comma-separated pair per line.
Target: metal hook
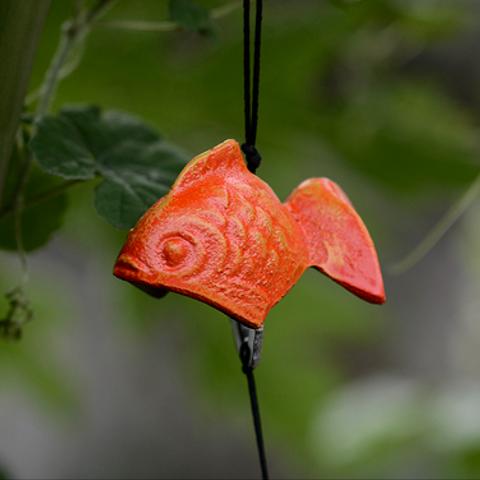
x,y
253,337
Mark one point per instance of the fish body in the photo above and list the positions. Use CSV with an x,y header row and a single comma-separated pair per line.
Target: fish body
x,y
222,236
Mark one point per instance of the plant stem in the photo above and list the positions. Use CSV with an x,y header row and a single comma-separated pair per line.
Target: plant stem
x,y
224,10
165,26
97,11
18,209
21,23
140,25
439,229
73,31
48,88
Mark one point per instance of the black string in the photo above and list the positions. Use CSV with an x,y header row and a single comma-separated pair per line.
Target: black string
x,y
253,160
247,369
250,95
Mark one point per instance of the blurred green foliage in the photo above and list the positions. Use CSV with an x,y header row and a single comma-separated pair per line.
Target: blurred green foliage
x,y
338,98
39,219
31,362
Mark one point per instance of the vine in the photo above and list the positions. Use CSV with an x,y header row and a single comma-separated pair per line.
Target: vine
x,y
69,145
73,31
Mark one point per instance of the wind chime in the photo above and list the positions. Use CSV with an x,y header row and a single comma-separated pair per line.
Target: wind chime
x,y
223,237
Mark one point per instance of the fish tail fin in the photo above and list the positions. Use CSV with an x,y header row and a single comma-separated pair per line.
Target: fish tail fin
x,y
338,242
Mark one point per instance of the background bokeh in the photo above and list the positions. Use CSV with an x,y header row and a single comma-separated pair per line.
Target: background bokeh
x,y
381,95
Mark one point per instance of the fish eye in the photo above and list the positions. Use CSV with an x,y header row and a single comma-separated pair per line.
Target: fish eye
x,y
174,251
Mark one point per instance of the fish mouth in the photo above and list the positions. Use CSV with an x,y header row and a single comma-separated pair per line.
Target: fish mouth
x,y
137,273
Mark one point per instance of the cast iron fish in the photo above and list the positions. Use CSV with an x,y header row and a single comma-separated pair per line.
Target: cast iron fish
x,y
222,236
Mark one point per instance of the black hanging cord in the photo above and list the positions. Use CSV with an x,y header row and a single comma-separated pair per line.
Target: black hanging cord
x,y
247,369
253,159
251,93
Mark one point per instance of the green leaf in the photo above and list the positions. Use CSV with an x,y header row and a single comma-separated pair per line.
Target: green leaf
x,y
39,219
137,166
190,16
70,144
61,150
133,181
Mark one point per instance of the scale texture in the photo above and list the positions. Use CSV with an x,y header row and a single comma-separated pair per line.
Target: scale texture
x,y
222,236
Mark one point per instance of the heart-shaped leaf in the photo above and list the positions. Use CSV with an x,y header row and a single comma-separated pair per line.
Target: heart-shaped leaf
x,y
70,144
137,166
133,180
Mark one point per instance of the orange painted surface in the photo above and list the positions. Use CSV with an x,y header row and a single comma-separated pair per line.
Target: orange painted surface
x,y
222,236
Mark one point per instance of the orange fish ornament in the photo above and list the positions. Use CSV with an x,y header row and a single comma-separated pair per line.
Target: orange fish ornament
x,y
222,236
